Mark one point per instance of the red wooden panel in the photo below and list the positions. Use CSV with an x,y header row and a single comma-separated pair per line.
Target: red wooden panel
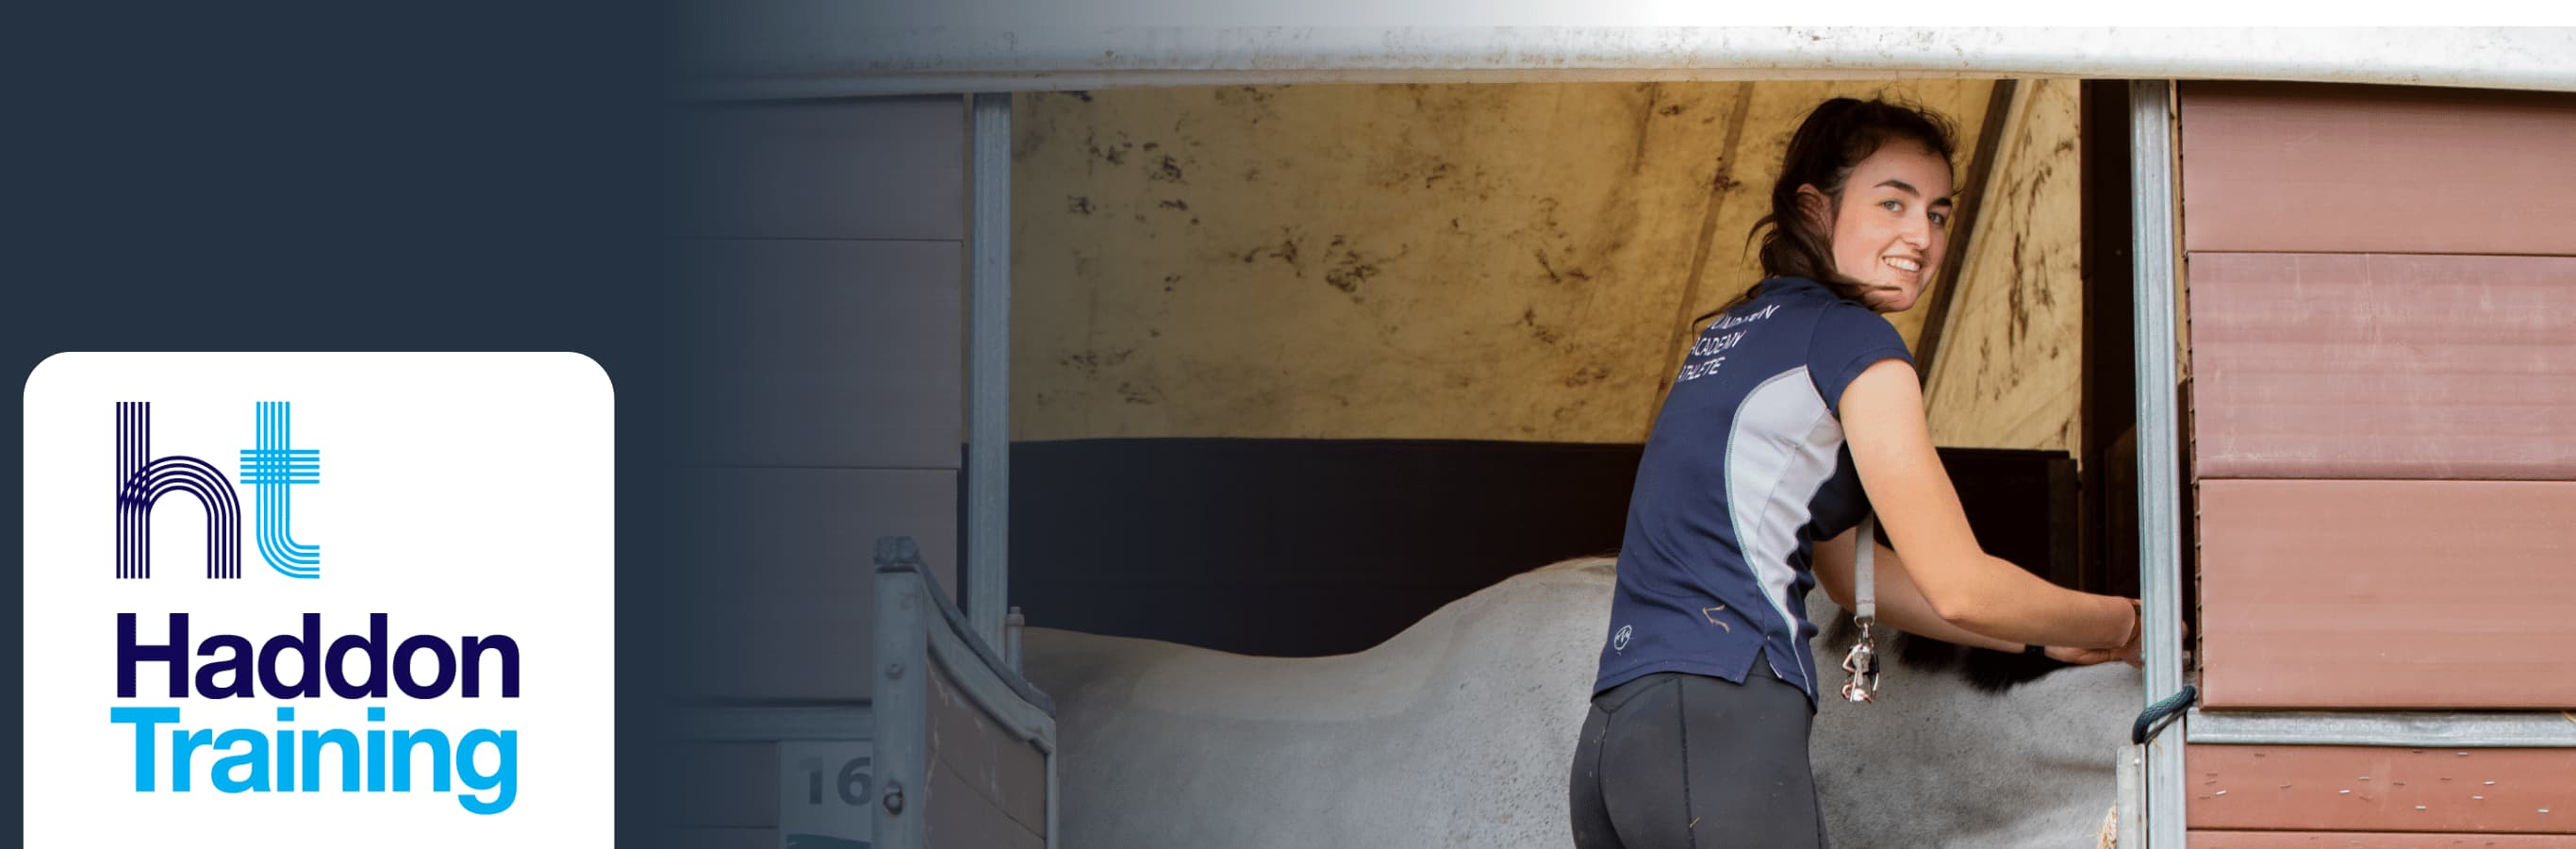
x,y
2386,366
2388,594
2348,169
2374,840
877,168
2365,788
824,353
782,607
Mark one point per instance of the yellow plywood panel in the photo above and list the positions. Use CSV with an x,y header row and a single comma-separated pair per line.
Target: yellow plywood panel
x,y
1459,261
2010,366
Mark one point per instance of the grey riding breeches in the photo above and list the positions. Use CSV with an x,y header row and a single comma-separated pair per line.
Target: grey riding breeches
x,y
1680,761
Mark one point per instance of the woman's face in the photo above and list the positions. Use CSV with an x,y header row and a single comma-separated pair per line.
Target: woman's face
x,y
1892,225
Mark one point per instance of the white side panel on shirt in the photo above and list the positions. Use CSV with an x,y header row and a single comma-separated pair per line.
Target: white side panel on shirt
x,y
1779,451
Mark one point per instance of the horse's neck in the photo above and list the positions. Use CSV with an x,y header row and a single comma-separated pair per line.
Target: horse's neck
x,y
1939,756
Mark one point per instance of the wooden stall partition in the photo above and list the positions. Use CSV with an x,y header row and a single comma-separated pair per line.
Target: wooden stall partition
x,y
2385,366
965,747
2388,594
2422,791
2216,839
2382,290
816,328
2279,167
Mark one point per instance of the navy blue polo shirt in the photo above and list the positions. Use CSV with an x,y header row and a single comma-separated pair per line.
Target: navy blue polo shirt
x,y
1745,470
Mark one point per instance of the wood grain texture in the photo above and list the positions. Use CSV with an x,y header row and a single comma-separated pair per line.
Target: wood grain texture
x,y
783,600
2350,169
2388,594
1009,773
726,838
878,168
954,816
824,353
2383,366
1402,261
735,784
2201,839
2360,788
2012,355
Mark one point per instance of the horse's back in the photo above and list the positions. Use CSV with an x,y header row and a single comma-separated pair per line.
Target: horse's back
x,y
1460,732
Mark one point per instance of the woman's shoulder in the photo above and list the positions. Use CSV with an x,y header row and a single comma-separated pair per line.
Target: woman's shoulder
x,y
1798,293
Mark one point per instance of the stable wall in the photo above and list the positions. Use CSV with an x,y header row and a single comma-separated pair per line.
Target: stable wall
x,y
2009,369
1410,313
2383,289
818,307
1506,262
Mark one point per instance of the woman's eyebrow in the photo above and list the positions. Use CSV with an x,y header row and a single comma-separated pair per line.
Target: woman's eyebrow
x,y
1908,188
1902,186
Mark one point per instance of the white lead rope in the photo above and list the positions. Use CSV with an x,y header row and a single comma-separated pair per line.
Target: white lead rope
x,y
1862,662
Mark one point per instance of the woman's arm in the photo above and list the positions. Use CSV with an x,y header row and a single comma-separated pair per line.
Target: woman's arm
x,y
1900,602
1891,447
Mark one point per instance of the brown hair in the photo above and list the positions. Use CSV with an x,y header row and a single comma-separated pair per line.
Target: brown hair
x,y
1832,141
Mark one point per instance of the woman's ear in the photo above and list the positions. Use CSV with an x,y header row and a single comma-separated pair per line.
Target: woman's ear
x,y
1818,208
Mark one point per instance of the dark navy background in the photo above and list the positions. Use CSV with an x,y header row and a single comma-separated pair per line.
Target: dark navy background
x,y
334,176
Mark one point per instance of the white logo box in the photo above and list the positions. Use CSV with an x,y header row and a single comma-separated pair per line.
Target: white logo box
x,y
460,494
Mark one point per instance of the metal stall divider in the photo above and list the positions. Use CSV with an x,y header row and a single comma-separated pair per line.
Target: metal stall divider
x,y
940,686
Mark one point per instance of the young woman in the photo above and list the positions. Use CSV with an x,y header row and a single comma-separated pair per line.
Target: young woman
x,y
1796,412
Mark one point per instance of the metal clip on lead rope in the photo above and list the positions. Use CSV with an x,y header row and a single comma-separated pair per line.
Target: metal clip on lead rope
x,y
1862,663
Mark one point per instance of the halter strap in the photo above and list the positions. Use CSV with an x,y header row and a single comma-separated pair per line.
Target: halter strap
x,y
1862,662
1865,590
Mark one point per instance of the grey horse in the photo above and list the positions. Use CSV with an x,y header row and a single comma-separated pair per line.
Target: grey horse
x,y
1459,732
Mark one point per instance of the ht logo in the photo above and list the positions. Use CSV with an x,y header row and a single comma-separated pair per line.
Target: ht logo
x,y
269,467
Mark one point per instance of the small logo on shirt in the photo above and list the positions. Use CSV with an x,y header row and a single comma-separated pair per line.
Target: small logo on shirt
x,y
1619,641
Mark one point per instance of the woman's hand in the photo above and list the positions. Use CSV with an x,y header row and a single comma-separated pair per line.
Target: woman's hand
x,y
2088,657
2133,653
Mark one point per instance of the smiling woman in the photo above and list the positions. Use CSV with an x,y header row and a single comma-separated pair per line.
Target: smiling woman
x,y
1900,157
1895,231
1748,495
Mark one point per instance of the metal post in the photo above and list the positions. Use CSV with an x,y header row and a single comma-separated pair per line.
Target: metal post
x,y
988,440
900,697
2159,473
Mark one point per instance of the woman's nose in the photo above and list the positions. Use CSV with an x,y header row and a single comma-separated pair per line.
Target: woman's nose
x,y
1918,232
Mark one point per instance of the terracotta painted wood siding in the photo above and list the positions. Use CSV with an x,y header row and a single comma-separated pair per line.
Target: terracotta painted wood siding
x,y
2382,317
820,306
817,309
851,355
2384,366
2364,169
886,168
2213,839
2381,789
2389,594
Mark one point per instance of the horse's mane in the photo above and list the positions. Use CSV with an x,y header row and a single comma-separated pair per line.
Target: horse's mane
x,y
1987,670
